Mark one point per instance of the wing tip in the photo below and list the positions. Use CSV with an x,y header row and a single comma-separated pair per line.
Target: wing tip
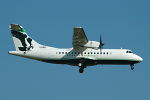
x,y
77,27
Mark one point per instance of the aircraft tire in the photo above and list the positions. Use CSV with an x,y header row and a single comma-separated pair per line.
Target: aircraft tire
x,y
132,68
81,70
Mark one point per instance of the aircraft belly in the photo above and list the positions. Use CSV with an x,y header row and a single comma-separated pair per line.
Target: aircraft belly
x,y
117,62
89,62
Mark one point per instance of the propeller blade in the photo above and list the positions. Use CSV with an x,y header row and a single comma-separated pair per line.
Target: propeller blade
x,y
101,44
100,39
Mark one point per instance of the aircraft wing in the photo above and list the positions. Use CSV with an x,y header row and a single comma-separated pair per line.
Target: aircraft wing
x,y
79,38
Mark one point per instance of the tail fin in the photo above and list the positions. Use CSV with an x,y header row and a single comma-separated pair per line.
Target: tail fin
x,y
21,40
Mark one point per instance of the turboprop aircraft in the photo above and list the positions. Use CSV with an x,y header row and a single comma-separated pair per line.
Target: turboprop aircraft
x,y
83,54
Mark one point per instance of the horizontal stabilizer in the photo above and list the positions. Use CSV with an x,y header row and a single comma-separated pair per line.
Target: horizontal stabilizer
x,y
15,27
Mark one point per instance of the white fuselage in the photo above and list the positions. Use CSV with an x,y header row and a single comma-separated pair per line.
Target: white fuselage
x,y
74,57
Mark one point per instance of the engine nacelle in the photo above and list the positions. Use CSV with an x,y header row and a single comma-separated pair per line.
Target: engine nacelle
x,y
92,44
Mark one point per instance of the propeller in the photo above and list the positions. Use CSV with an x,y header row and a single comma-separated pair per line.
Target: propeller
x,y
101,44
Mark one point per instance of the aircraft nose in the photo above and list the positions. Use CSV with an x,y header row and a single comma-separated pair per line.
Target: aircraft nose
x,y
140,59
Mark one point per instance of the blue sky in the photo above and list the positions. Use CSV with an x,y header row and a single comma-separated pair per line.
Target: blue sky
x,y
122,23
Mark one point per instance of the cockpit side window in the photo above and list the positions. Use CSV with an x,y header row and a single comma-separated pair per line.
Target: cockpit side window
x,y
129,52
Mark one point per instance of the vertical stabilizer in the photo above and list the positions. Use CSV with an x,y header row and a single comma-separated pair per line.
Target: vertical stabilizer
x,y
21,40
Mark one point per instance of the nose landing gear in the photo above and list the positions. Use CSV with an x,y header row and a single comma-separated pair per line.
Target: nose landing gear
x,y
132,66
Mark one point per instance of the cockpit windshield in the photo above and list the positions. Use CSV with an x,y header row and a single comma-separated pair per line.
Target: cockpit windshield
x,y
129,51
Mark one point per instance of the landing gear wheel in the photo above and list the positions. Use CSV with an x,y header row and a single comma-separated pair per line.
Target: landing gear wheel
x,y
82,65
132,67
81,70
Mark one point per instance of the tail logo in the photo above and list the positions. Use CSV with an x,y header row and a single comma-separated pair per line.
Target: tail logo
x,y
24,39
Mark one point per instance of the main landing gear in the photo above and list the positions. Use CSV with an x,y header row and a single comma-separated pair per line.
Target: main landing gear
x,y
82,66
132,66
81,70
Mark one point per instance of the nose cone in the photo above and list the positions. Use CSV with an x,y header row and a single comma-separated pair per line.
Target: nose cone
x,y
140,59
